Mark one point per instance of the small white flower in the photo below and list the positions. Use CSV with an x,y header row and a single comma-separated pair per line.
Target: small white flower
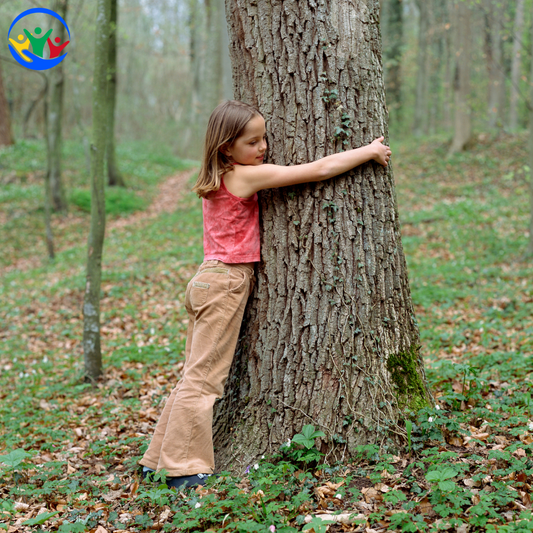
x,y
256,466
288,442
530,426
430,419
338,496
45,359
437,407
262,457
198,504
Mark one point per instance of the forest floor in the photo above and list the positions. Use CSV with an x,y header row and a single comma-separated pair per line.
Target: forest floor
x,y
68,452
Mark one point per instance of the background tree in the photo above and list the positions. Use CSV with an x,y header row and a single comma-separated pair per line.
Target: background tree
x,y
422,75
6,137
495,67
113,175
55,117
530,109
392,24
91,303
461,84
330,336
516,64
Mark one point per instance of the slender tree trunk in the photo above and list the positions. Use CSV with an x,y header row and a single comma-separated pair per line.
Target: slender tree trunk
x,y
48,201
421,107
530,245
448,70
113,175
495,66
516,65
55,117
329,337
91,304
6,136
393,12
462,49
191,134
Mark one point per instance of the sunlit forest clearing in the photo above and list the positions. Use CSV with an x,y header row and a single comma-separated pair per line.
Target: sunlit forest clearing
x,y
69,446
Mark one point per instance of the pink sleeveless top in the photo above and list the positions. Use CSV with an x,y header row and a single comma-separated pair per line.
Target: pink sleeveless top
x,y
231,227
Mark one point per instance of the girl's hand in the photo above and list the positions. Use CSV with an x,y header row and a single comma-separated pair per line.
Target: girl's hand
x,y
382,152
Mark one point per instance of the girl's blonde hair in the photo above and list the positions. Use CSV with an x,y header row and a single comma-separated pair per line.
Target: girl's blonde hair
x,y
226,124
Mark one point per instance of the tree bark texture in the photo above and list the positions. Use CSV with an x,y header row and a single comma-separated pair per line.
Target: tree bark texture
x,y
114,177
516,64
55,117
462,48
6,136
91,303
329,336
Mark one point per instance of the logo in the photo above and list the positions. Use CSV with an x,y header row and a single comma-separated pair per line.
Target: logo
x,y
37,39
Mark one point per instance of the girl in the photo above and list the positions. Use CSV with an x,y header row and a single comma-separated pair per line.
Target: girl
x,y
231,174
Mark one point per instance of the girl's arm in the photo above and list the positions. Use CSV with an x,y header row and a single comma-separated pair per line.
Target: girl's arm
x,y
256,178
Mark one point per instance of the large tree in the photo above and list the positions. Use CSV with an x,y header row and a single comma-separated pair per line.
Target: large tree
x,y
329,336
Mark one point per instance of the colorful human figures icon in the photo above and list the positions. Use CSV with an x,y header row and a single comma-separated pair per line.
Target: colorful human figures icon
x,y
19,47
56,50
37,44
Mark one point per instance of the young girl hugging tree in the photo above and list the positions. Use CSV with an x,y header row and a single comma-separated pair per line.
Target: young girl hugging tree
x,y
231,174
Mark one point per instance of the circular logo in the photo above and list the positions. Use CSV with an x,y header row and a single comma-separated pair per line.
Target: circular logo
x,y
40,42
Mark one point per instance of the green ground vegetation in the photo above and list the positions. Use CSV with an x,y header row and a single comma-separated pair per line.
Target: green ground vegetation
x,y
69,452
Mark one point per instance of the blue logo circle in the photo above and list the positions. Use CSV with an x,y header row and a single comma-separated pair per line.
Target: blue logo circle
x,y
30,60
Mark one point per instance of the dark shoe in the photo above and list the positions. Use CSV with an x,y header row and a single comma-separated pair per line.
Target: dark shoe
x,y
182,482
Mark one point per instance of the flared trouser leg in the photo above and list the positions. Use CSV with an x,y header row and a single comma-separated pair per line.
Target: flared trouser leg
x,y
215,301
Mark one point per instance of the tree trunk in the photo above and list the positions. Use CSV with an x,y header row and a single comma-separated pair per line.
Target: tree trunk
x,y
49,236
421,107
393,12
494,53
329,337
6,136
516,65
191,136
462,49
91,304
114,177
55,116
530,245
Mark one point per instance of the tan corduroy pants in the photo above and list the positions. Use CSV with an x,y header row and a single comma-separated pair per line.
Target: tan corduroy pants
x,y
215,300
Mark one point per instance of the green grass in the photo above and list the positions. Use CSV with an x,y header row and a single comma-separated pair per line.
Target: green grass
x,y
464,223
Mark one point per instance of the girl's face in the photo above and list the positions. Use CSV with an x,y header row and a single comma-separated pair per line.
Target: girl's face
x,y
250,147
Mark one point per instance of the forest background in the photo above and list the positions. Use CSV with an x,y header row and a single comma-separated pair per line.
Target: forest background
x,y
69,451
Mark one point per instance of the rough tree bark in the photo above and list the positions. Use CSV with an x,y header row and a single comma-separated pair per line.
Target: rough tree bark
x,y
55,116
6,136
114,177
91,304
516,64
462,51
329,337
